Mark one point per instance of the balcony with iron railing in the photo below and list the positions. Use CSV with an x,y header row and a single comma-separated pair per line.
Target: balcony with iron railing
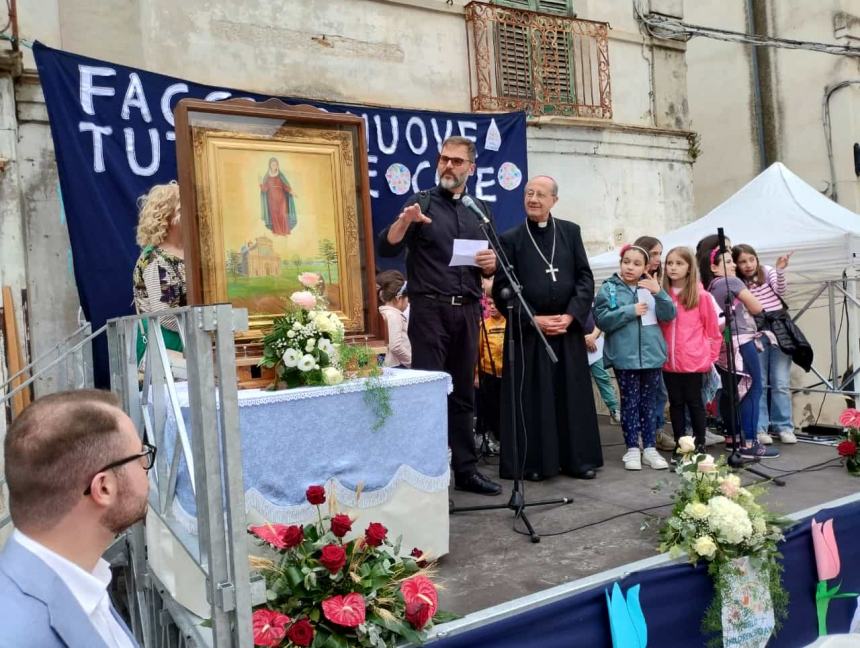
x,y
542,63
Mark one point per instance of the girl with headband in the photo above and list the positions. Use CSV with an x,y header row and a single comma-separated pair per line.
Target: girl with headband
x,y
637,351
392,294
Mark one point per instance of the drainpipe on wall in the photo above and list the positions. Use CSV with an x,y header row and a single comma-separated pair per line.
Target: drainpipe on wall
x,y
829,91
13,20
752,28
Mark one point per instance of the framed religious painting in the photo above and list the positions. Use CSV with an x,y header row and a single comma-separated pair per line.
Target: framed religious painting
x,y
268,192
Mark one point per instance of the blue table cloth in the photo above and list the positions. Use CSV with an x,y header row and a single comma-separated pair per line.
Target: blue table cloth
x,y
317,435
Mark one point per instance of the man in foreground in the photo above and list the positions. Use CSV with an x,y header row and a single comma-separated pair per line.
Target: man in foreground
x,y
77,476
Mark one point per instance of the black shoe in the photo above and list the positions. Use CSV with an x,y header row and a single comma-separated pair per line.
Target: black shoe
x,y
590,473
533,476
476,483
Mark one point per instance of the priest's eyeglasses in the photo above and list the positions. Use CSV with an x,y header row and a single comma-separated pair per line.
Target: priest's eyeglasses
x,y
455,161
147,454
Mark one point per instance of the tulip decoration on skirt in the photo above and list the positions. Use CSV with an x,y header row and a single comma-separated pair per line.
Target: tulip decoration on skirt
x,y
323,589
626,620
828,565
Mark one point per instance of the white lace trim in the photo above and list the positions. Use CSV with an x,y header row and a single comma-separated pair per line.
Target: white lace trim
x,y
257,502
259,397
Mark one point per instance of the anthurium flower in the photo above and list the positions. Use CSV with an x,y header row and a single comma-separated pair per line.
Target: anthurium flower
x,y
826,550
418,614
850,418
420,588
347,611
280,536
269,627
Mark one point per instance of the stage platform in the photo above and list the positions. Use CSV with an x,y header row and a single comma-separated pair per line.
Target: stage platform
x,y
490,564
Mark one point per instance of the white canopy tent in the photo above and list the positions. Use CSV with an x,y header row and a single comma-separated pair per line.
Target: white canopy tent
x,y
776,212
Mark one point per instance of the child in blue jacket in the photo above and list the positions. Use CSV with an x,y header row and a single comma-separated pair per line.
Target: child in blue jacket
x,y
637,351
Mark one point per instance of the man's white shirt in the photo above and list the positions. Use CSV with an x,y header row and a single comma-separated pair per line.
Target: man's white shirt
x,y
89,590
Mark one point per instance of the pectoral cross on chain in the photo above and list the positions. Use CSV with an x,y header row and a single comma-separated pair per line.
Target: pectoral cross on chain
x,y
551,271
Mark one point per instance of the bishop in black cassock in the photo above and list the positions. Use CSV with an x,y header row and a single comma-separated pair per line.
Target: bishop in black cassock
x,y
555,402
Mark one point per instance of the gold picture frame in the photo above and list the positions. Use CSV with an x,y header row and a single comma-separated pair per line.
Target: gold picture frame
x,y
274,191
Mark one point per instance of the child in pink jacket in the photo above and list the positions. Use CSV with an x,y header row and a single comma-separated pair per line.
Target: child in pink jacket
x,y
692,342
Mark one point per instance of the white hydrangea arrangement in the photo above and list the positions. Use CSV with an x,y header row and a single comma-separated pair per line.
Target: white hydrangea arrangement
x,y
715,519
303,344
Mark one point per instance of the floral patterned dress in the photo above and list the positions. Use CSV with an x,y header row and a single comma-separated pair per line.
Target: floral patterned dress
x,y
159,284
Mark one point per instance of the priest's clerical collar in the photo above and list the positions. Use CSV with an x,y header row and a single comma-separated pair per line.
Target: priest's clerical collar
x,y
447,193
540,224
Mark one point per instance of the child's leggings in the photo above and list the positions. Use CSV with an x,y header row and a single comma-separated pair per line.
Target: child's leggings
x,y
638,389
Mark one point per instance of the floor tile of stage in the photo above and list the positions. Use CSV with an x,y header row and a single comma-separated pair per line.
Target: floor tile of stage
x,y
490,564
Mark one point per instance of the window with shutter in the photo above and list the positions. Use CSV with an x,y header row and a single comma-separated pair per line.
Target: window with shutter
x,y
535,55
562,7
552,54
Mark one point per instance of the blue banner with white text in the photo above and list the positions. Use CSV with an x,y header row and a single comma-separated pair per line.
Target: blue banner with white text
x,y
112,128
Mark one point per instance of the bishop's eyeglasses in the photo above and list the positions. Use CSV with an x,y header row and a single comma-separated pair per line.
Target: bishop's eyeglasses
x,y
147,455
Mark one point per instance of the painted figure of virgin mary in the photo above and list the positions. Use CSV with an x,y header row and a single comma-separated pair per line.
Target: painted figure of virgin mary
x,y
278,209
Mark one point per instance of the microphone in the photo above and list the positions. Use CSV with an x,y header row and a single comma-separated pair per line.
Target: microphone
x,y
721,240
472,206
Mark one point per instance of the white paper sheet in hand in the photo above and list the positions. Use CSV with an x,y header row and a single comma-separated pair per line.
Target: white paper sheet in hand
x,y
597,354
645,297
465,250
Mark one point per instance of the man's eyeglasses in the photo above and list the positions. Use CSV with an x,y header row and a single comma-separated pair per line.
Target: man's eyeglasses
x,y
147,454
455,161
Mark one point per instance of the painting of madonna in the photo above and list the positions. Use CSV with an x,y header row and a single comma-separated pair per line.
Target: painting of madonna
x,y
278,208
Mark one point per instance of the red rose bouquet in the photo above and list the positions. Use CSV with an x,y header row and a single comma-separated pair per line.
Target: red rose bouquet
x,y
324,591
848,449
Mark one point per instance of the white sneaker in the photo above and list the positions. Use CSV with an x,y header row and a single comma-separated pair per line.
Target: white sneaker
x,y
713,439
632,459
654,459
764,438
787,436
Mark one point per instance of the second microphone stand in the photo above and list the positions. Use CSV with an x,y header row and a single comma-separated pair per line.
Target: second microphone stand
x,y
517,502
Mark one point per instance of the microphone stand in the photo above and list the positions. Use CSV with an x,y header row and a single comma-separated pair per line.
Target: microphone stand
x,y
517,502
735,460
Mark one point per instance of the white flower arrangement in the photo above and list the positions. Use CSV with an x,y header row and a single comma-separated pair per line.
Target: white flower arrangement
x,y
717,520
302,345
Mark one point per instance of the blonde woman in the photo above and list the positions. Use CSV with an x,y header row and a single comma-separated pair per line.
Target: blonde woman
x,y
159,274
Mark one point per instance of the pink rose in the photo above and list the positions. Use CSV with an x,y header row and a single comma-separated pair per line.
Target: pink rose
x,y
850,418
304,299
729,489
309,279
706,464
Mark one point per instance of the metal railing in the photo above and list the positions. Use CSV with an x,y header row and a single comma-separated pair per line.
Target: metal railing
x,y
212,458
66,365
537,62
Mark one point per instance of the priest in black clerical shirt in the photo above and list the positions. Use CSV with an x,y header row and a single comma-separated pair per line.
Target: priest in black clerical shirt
x,y
560,432
445,307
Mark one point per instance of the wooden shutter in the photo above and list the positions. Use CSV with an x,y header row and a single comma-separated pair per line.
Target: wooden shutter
x,y
556,65
563,7
513,61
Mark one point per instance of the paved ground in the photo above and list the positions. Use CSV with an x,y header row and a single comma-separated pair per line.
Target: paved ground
x,y
490,564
